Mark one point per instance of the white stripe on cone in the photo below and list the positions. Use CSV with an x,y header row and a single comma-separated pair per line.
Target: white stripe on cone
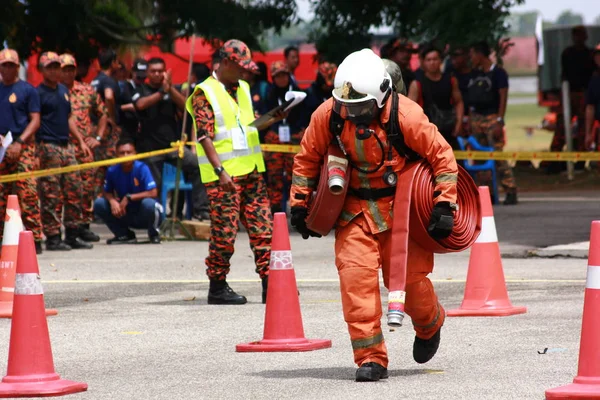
x,y
12,228
593,277
488,231
281,260
28,284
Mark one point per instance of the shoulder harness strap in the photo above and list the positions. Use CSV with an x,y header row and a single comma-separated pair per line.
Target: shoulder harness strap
x,y
395,135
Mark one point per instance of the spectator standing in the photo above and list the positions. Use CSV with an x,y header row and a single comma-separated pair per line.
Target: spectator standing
x,y
400,51
439,95
109,91
55,151
157,104
129,199
488,95
131,123
321,89
19,115
288,131
84,103
592,105
231,165
292,59
460,68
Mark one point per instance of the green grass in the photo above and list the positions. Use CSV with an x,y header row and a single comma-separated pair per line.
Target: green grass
x,y
519,116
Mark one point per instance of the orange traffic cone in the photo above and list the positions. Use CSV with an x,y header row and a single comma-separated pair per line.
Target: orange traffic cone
x,y
30,365
485,290
283,329
8,261
586,384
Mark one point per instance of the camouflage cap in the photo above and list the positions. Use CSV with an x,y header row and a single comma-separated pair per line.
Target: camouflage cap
x,y
396,74
327,71
49,57
67,60
9,56
237,51
278,67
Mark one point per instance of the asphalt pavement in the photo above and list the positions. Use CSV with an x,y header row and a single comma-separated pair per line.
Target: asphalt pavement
x,y
134,324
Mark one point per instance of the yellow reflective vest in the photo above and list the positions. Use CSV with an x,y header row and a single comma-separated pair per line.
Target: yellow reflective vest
x,y
236,143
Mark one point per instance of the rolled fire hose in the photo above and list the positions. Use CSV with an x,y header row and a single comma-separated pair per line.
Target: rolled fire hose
x,y
412,210
413,204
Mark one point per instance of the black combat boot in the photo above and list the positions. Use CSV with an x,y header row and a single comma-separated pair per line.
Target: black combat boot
x,y
371,372
219,292
265,286
424,350
73,240
511,198
87,235
38,247
54,243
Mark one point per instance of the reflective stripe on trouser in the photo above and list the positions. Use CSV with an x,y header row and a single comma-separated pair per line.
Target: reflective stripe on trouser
x,y
57,191
248,205
88,190
26,191
359,255
489,132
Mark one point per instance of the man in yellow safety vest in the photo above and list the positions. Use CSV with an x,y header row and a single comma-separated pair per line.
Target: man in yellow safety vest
x,y
231,163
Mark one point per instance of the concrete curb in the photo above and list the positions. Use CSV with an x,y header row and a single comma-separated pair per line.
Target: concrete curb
x,y
571,250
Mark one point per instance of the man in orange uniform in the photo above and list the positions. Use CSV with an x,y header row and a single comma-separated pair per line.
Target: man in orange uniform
x,y
362,98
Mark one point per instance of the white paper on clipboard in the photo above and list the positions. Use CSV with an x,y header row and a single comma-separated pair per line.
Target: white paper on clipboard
x,y
6,141
296,97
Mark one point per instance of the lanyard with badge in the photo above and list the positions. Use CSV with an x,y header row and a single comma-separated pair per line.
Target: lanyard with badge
x,y
285,135
238,136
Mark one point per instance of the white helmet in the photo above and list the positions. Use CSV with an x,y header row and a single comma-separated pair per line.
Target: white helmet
x,y
361,84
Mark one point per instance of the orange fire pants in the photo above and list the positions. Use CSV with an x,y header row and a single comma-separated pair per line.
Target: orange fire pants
x,y
359,255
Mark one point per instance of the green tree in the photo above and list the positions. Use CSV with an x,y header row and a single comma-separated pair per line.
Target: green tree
x,y
523,24
84,26
569,18
597,20
344,25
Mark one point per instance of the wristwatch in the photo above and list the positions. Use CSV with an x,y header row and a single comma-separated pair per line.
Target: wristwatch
x,y
500,119
98,138
128,196
19,140
219,170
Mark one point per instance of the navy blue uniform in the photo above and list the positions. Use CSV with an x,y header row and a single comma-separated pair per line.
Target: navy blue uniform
x,y
55,109
17,101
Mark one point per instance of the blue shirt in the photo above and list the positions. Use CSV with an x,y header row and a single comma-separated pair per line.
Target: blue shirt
x,y
120,183
55,109
17,101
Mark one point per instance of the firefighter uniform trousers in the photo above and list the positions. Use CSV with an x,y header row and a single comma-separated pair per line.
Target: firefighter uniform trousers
x,y
60,190
25,189
488,131
359,256
277,164
248,205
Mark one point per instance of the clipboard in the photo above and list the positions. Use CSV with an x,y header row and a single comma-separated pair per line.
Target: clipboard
x,y
268,119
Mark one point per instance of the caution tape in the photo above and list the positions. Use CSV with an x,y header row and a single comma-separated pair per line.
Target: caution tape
x,y
80,167
480,155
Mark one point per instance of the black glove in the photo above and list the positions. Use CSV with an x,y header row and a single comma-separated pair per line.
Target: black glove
x,y
299,222
442,221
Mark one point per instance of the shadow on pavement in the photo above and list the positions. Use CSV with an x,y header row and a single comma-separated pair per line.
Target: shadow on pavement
x,y
333,373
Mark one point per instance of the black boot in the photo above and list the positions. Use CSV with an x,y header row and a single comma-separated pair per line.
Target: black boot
x,y
38,247
265,286
86,235
511,198
219,292
54,243
424,350
73,240
371,372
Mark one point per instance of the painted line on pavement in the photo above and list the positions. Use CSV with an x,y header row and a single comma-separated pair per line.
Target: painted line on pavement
x,y
158,281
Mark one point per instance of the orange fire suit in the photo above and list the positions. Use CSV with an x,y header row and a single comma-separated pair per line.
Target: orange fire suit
x,y
363,241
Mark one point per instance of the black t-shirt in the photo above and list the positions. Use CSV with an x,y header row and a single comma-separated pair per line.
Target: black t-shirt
x,y
128,119
158,123
592,96
102,82
55,111
437,92
577,67
484,90
407,76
